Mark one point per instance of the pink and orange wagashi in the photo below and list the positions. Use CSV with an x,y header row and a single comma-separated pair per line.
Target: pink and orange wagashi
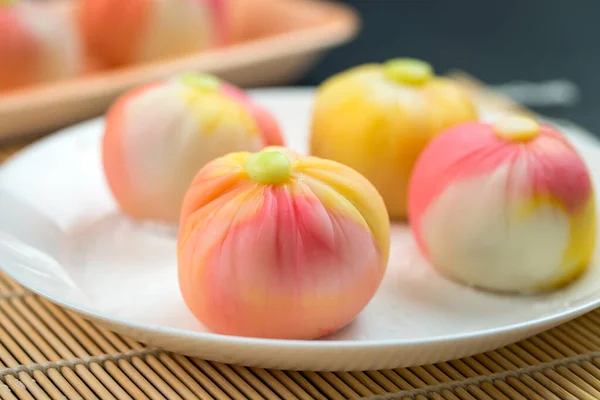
x,y
158,136
506,206
120,32
277,245
37,45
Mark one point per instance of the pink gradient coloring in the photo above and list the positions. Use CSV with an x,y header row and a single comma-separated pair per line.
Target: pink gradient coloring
x,y
114,158
273,260
221,20
473,149
159,135
268,125
284,249
19,51
560,171
36,46
119,32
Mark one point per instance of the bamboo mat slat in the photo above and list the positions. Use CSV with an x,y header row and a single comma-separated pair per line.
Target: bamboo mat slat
x,y
48,353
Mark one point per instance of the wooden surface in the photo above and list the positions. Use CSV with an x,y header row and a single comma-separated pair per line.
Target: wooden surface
x,y
273,42
49,353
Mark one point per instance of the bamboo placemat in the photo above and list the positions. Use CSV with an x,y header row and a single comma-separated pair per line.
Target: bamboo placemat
x,y
47,352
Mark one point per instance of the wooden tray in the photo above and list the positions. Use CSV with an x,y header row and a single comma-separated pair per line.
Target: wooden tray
x,y
272,43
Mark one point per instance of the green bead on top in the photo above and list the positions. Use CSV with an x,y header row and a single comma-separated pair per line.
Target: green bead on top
x,y
268,167
408,71
200,81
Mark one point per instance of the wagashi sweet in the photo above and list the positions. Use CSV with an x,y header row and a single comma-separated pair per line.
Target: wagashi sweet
x,y
158,136
37,45
274,244
121,32
507,206
376,118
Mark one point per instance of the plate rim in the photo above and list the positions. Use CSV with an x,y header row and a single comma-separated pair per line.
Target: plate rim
x,y
291,344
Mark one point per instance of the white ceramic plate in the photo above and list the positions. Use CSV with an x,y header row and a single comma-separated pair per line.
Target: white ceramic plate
x,y
63,238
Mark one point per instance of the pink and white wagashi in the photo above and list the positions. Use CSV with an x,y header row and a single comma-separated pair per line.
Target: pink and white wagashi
x,y
157,138
37,45
120,32
507,207
277,245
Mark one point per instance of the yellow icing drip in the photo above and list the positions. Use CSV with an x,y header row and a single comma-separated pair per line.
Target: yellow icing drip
x,y
582,239
268,167
343,189
517,128
408,71
215,112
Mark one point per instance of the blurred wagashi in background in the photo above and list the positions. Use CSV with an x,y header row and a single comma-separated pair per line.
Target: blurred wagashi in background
x,y
278,245
37,45
507,206
121,32
158,136
376,118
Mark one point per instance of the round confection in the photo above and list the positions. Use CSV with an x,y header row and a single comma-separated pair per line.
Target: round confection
x,y
507,206
376,118
37,45
159,135
277,245
121,32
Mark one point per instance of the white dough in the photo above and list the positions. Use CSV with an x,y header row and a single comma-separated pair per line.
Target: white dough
x,y
166,145
59,41
176,27
474,235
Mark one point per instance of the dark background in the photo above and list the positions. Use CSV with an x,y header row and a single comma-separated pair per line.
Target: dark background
x,y
496,41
